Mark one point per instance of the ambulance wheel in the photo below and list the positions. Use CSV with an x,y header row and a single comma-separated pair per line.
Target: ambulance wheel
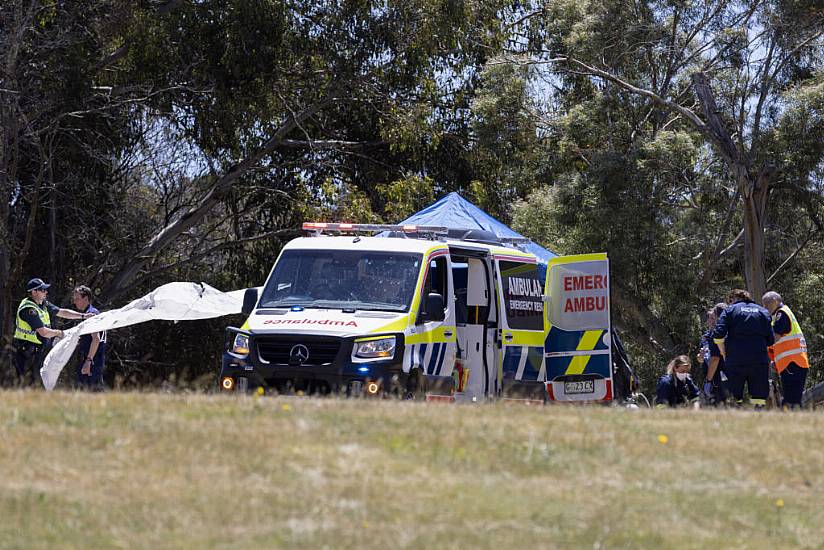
x,y
415,390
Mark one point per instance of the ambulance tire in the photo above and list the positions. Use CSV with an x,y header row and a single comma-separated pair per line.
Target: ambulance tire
x,y
415,386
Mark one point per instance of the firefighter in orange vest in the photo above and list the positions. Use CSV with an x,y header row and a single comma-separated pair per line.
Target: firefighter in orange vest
x,y
789,351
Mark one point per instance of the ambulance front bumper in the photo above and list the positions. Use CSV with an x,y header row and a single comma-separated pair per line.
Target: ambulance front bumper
x,y
310,362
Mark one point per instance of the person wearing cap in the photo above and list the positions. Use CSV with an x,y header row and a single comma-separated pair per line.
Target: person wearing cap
x,y
789,351
91,347
33,332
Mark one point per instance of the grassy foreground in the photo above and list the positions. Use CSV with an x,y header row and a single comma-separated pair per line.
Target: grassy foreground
x,y
171,471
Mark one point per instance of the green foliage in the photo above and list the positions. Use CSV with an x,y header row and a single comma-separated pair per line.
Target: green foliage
x,y
506,152
138,109
636,179
406,196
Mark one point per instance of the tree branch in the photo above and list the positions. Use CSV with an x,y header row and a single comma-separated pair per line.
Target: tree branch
x,y
195,214
792,256
329,144
222,246
683,111
733,244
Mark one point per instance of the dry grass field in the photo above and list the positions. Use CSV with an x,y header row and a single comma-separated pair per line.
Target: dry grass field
x,y
125,470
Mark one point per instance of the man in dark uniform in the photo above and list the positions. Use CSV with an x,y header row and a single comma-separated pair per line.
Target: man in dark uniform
x,y
743,333
715,381
92,347
33,332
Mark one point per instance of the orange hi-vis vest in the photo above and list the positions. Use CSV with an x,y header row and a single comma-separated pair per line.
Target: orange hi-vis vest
x,y
790,348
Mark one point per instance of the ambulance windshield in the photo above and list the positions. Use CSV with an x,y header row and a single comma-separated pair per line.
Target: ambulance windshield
x,y
343,279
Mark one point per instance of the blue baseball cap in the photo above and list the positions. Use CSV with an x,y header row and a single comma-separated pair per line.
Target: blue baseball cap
x,y
37,284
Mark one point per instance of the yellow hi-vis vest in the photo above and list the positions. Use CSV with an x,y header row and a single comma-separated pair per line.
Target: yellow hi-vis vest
x,y
23,330
790,348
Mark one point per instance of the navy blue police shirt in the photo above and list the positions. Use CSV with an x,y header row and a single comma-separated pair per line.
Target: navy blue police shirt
x,y
674,392
85,341
782,324
710,349
747,328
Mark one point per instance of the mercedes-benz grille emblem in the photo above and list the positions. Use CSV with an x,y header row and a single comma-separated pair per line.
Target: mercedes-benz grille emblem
x,y
298,354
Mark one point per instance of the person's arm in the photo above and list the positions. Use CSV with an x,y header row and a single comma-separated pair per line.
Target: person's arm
x,y
89,359
692,391
47,332
713,366
782,325
33,319
720,333
72,314
663,394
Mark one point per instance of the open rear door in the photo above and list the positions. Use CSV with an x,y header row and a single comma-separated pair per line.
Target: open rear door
x,y
578,347
521,335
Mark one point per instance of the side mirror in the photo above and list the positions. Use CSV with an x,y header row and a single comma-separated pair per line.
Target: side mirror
x,y
250,298
434,307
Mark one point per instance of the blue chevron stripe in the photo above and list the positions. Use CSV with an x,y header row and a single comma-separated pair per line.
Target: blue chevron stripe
x,y
433,360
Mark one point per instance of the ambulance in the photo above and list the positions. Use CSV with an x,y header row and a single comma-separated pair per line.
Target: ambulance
x,y
422,312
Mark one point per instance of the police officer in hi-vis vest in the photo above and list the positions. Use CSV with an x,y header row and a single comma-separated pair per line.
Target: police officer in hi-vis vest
x,y
33,332
789,351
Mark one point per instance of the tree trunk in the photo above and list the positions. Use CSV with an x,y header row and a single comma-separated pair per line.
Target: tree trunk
x,y
754,194
753,191
754,275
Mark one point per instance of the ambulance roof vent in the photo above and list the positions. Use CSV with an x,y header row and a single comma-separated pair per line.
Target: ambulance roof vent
x,y
485,237
474,235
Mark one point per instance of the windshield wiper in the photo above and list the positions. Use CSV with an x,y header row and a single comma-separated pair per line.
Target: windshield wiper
x,y
382,306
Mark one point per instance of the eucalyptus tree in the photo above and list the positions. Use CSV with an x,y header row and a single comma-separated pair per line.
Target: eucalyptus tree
x,y
189,136
291,95
720,70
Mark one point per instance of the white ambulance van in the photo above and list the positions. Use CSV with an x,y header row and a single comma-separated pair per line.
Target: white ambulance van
x,y
419,311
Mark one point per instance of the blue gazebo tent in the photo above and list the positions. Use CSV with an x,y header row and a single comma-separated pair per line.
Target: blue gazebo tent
x,y
455,212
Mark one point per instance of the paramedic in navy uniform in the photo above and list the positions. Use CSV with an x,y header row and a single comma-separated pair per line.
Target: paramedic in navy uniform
x,y
743,333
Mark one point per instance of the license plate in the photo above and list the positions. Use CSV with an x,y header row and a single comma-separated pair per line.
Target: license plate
x,y
584,386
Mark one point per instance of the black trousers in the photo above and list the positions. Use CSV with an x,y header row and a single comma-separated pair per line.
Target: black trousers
x,y
28,359
792,381
756,377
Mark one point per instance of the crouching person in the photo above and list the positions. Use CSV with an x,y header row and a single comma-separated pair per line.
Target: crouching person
x,y
676,388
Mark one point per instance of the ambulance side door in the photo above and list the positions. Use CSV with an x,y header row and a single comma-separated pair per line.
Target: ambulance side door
x,y
578,346
432,339
521,332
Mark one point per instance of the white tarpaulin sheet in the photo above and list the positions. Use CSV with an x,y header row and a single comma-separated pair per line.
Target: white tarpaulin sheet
x,y
170,302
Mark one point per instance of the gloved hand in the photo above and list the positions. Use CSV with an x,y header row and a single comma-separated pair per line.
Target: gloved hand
x,y
708,388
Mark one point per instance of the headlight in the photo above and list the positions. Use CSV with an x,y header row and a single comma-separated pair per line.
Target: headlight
x,y
241,344
374,349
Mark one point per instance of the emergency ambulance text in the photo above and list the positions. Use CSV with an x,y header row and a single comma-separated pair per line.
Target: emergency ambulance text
x,y
584,282
526,305
519,286
585,303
